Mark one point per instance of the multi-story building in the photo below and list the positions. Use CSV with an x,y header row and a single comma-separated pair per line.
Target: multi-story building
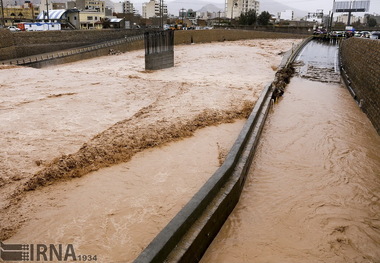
x,y
344,19
59,6
92,13
125,7
152,9
91,5
20,13
234,8
315,17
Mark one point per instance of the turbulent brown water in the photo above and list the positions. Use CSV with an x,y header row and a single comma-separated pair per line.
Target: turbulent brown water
x,y
313,191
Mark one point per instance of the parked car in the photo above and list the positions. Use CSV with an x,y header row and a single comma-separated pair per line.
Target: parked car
x,y
366,34
14,28
375,35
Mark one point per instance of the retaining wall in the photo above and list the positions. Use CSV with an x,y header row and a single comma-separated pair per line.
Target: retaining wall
x,y
7,45
360,59
129,46
206,36
24,44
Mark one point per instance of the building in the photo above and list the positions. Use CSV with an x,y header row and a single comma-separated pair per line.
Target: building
x,y
125,7
91,19
67,18
152,9
234,8
20,13
46,5
315,17
91,6
287,15
59,6
92,13
344,19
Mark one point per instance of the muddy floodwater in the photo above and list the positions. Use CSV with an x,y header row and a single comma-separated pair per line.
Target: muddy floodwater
x,y
66,121
313,191
115,212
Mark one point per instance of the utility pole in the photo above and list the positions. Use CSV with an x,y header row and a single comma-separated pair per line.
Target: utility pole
x,y
2,14
47,10
332,15
349,14
162,13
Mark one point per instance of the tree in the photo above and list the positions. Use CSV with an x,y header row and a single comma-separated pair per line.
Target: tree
x,y
264,18
242,19
372,22
248,18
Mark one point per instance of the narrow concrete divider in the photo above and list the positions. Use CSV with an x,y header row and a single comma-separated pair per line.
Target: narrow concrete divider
x,y
175,241
187,236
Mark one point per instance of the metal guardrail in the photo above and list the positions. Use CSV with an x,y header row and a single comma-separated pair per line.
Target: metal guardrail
x,y
70,52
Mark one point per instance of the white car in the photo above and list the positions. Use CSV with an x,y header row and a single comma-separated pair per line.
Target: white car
x,y
14,28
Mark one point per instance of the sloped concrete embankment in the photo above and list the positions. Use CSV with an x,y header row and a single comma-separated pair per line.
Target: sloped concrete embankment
x,y
187,236
360,60
24,44
76,54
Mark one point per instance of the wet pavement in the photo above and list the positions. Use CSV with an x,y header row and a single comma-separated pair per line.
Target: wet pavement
x,y
318,61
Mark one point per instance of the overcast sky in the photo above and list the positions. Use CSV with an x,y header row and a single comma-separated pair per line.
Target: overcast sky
x,y
310,5
307,5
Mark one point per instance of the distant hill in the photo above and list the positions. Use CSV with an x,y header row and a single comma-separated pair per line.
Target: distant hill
x,y
176,5
275,7
271,6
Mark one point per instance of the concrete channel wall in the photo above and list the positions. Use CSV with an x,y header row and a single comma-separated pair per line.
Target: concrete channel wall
x,y
207,36
15,45
81,53
190,232
24,44
360,61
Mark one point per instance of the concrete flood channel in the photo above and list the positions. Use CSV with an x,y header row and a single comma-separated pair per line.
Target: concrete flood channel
x,y
311,195
313,190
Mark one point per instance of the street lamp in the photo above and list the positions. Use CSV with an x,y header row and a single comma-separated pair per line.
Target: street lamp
x,y
162,13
